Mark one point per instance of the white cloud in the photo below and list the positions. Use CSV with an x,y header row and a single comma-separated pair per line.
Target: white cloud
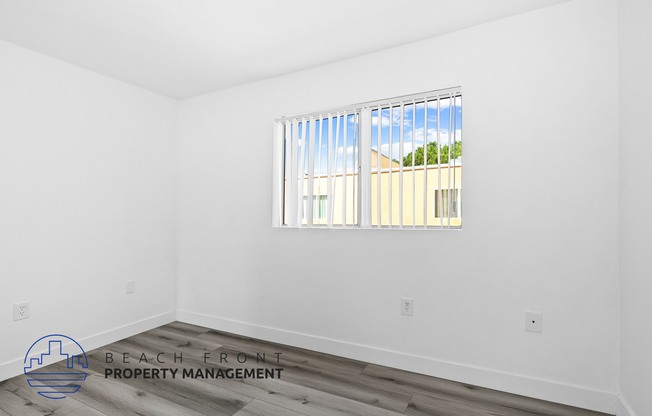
x,y
384,121
444,139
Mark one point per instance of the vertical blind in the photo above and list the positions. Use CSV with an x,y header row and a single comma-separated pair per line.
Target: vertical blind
x,y
388,164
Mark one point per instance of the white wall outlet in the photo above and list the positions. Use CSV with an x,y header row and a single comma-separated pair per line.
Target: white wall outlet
x,y
21,311
533,321
130,286
407,306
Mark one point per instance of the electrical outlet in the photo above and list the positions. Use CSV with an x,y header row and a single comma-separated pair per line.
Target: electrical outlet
x,y
130,286
407,306
533,321
21,311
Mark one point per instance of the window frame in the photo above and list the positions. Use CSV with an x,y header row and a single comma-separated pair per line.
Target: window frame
x,y
363,164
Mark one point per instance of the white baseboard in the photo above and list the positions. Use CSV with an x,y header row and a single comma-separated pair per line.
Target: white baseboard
x,y
623,408
15,367
573,395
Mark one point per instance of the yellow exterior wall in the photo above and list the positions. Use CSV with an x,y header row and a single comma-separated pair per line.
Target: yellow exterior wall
x,y
412,216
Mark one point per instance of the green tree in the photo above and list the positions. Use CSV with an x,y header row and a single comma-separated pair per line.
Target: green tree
x,y
455,152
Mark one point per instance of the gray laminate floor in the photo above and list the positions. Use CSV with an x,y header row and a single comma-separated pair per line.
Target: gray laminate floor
x,y
311,384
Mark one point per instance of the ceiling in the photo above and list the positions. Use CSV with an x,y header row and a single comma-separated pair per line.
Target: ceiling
x,y
184,48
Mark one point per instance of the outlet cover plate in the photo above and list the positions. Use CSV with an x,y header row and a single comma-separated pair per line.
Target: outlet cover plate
x,y
407,306
21,311
533,321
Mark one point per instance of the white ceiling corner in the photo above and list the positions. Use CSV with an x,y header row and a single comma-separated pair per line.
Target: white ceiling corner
x,y
184,48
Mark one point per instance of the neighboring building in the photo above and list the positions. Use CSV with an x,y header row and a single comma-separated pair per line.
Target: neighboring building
x,y
444,178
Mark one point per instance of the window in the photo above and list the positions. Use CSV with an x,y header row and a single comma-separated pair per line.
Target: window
x,y
449,208
318,207
387,164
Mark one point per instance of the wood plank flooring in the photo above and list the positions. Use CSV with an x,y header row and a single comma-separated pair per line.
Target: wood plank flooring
x,y
311,384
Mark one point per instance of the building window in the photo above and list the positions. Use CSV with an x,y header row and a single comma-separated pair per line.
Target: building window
x,y
388,164
318,208
446,207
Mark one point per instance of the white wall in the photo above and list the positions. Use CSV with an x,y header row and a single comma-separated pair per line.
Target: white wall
x,y
87,202
540,227
87,185
636,203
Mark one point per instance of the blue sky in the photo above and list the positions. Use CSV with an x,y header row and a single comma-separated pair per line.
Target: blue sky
x,y
350,147
409,121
